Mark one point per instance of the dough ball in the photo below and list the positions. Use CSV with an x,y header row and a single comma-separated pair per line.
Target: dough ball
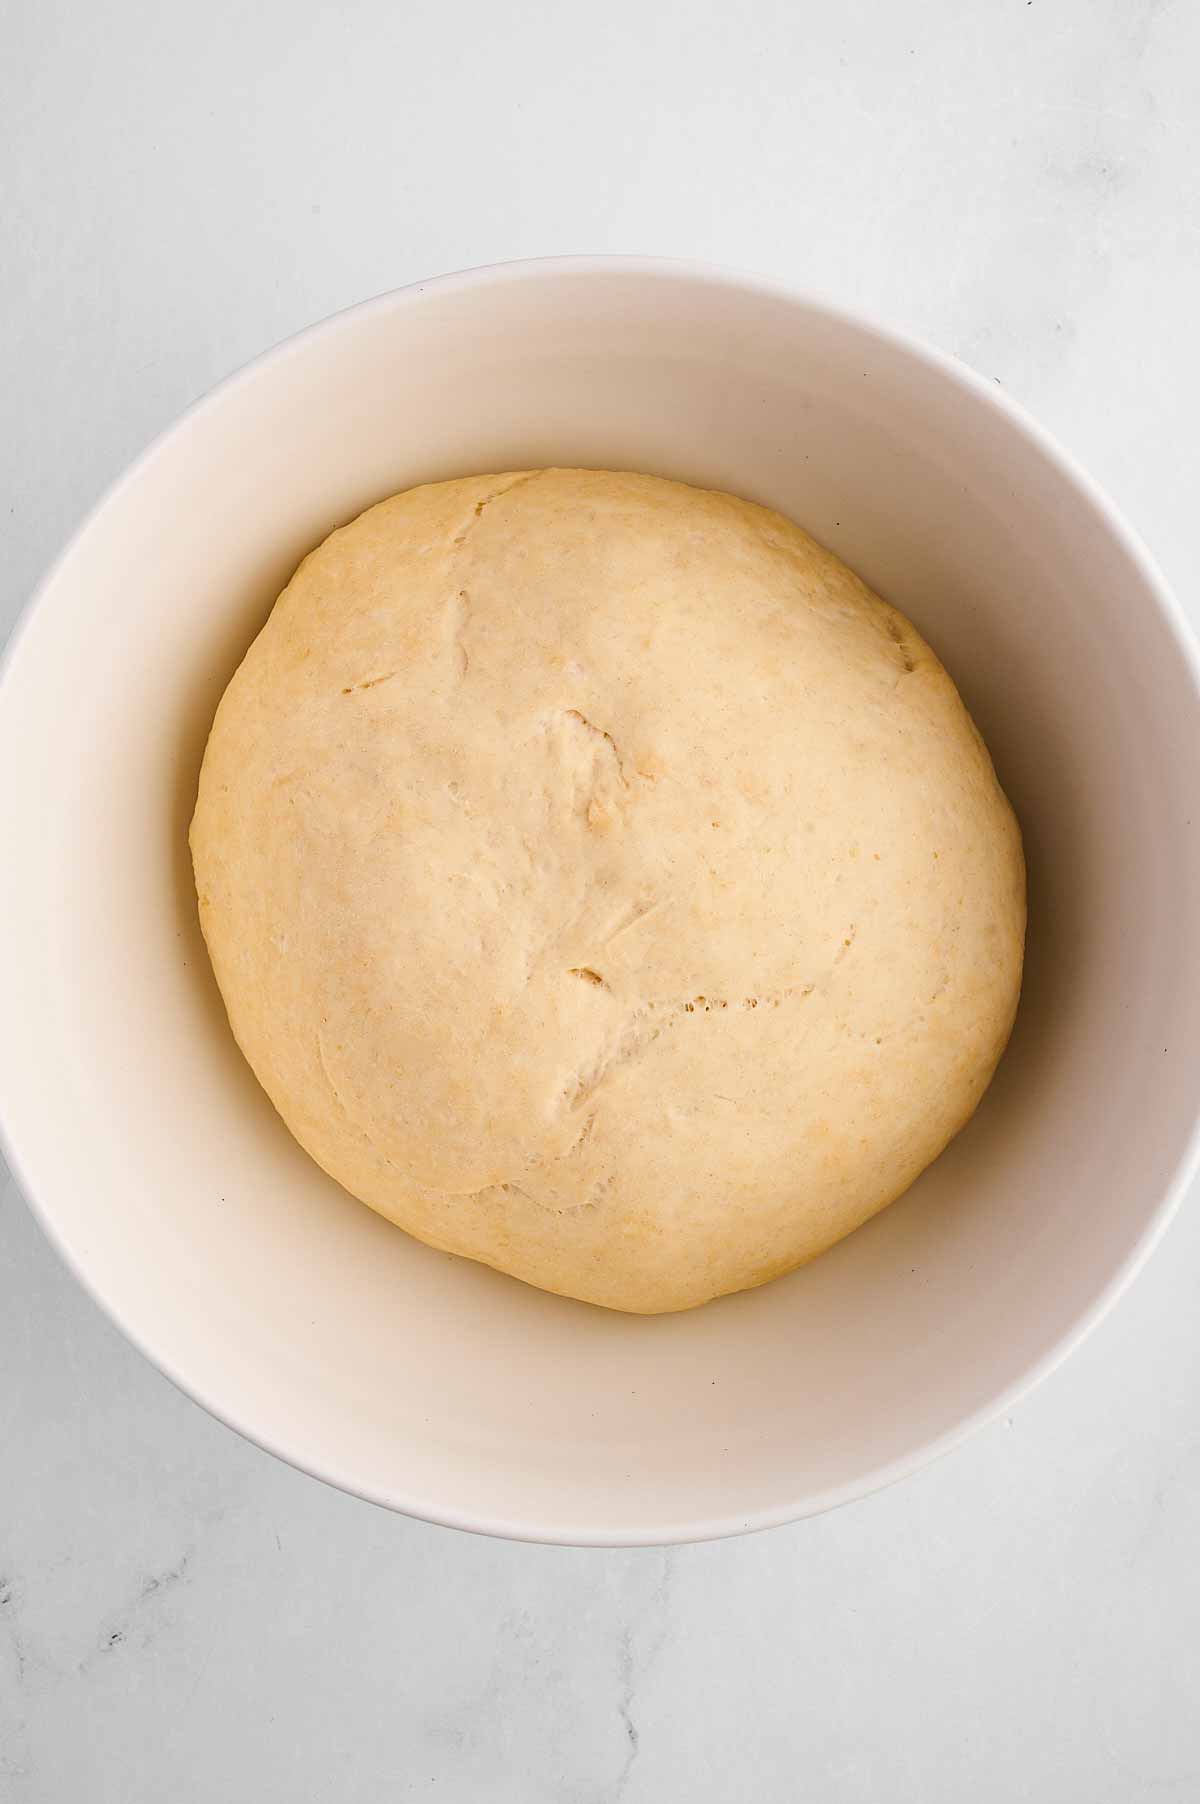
x,y
604,884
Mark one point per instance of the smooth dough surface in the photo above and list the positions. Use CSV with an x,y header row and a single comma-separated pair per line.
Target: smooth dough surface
x,y
604,884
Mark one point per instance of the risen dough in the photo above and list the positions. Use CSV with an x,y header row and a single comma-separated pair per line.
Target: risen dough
x,y
604,884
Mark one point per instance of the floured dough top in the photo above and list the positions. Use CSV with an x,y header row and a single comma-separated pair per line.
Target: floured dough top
x,y
604,884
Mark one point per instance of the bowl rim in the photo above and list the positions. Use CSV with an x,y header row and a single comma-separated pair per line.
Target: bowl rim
x,y
967,380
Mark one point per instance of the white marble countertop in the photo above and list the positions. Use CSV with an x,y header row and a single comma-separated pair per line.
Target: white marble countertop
x,y
183,1618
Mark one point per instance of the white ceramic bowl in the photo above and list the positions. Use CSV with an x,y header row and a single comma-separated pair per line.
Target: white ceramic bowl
x,y
160,1170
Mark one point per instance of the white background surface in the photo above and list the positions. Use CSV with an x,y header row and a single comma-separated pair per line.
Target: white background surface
x,y
180,1616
